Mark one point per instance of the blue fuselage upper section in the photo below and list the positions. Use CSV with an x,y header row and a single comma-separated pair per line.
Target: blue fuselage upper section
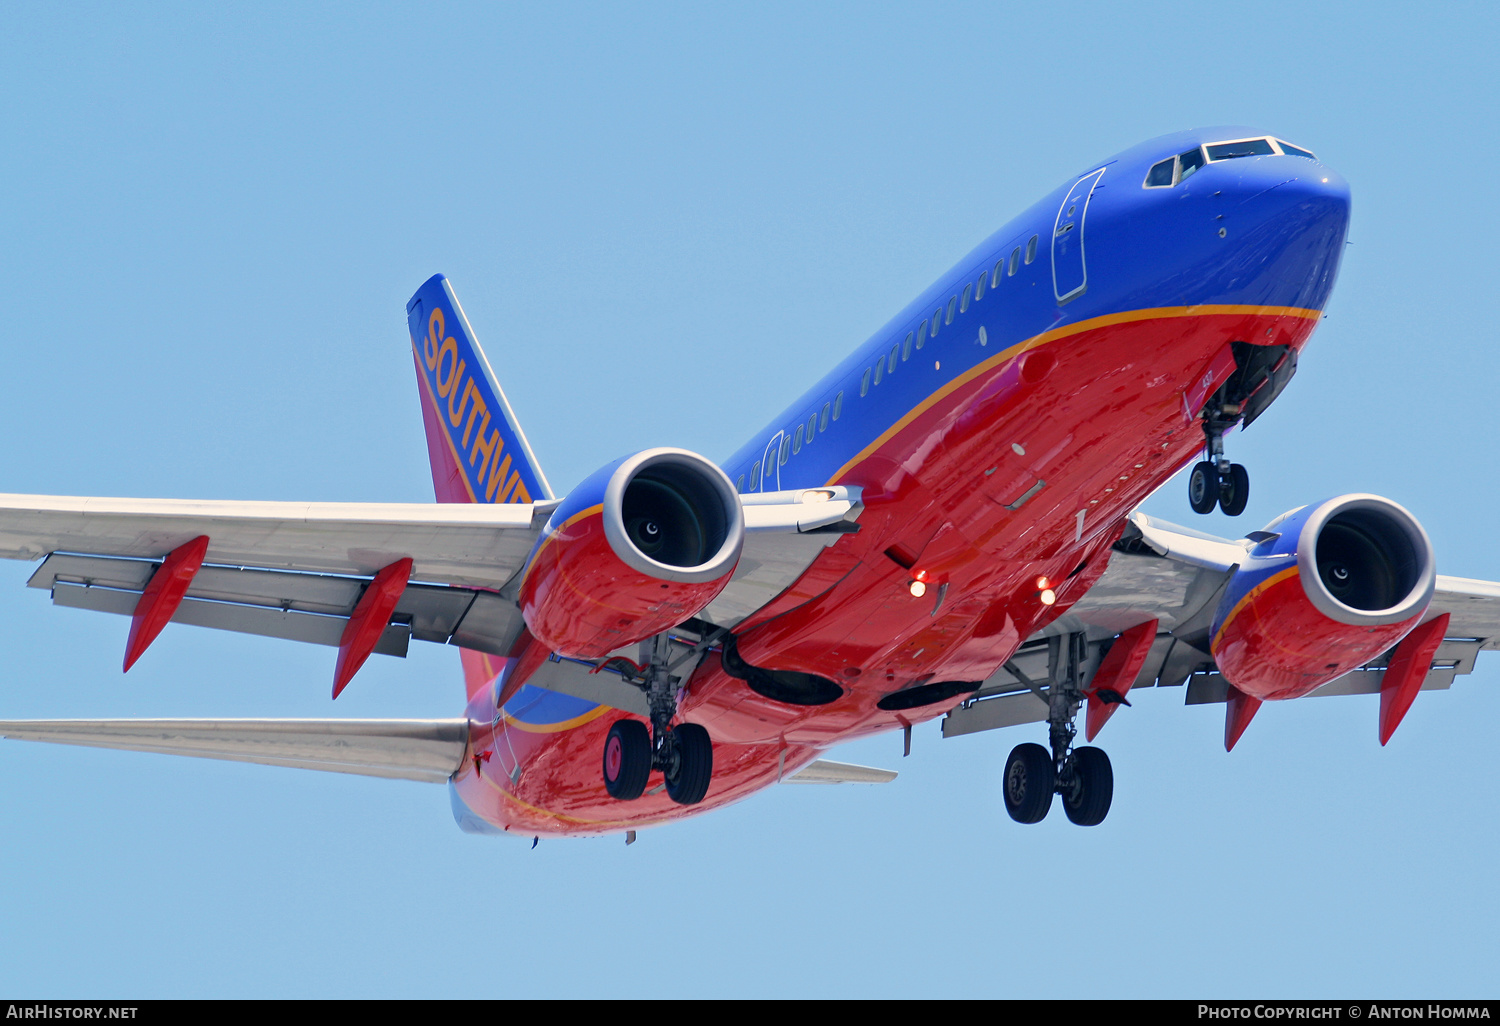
x,y
1262,231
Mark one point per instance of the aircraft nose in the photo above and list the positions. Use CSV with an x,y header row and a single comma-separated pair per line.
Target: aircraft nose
x,y
1286,218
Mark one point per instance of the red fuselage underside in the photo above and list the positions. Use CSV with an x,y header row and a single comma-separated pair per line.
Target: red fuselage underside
x,y
1100,413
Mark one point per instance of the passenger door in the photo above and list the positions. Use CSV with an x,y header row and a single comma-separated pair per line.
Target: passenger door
x,y
770,468
1069,275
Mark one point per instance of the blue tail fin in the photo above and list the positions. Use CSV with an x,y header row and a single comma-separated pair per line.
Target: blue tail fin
x,y
477,449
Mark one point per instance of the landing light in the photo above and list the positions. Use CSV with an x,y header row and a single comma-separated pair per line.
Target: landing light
x,y
816,495
1048,596
918,589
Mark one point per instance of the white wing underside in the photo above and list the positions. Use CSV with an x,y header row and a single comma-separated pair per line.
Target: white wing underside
x,y
296,570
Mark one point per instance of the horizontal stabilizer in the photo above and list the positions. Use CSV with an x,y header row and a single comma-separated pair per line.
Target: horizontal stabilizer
x,y
425,750
824,771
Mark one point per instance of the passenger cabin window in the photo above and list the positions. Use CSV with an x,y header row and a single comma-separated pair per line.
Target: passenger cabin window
x,y
952,306
797,440
823,420
812,425
879,370
1294,151
1162,173
1031,249
895,355
1243,148
755,475
1015,259
963,304
739,485
864,383
937,321
979,287
999,267
838,405
906,347
1188,162
922,335
786,450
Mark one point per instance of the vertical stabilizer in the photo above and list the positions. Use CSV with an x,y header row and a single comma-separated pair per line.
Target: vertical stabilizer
x,y
477,449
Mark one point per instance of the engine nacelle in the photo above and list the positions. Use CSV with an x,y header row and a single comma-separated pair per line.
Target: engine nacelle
x,y
1326,588
641,545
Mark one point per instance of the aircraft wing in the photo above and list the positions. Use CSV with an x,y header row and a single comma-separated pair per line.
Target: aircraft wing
x,y
1176,576
296,570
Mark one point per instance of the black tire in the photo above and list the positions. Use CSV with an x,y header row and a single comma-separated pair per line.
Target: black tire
x,y
1234,491
627,760
1203,487
1029,783
1090,787
695,764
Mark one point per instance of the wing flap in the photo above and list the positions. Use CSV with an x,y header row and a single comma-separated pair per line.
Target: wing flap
x,y
426,750
311,608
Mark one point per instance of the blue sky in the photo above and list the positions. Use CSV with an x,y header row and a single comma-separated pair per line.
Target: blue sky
x,y
664,223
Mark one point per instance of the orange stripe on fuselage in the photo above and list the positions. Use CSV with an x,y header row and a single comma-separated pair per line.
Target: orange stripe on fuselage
x,y
553,728
1056,334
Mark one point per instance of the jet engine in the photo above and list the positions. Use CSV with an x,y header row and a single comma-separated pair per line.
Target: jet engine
x,y
641,545
1325,589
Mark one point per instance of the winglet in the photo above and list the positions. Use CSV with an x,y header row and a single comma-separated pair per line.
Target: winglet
x,y
1239,711
1116,674
474,442
1408,669
163,595
372,614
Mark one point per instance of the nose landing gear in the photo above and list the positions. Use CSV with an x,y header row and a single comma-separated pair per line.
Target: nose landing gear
x,y
1081,775
1215,481
1260,373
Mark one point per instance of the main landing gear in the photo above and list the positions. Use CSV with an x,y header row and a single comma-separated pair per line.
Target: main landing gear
x,y
684,753
1082,776
1216,481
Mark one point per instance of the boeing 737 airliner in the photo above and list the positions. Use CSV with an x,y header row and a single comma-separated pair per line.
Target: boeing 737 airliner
x,y
944,525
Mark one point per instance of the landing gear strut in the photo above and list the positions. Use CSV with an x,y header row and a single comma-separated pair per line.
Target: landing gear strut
x,y
1216,481
1081,775
684,753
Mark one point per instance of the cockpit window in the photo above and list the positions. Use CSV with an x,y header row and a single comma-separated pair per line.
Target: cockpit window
x,y
1189,162
1166,173
1243,148
1161,173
